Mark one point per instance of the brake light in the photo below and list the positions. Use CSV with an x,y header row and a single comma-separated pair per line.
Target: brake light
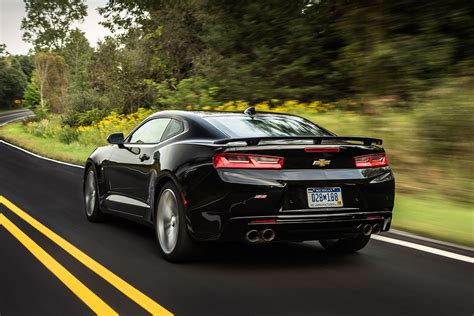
x,y
369,161
247,161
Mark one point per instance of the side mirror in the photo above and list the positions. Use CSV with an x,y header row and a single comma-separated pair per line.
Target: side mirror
x,y
116,139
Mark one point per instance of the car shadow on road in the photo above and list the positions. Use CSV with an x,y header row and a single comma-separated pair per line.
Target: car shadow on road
x,y
232,254
275,254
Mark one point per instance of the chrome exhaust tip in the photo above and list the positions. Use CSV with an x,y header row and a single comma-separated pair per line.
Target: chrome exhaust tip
x,y
367,229
252,236
268,234
376,229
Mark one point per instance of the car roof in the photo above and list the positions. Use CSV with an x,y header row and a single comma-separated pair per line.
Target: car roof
x,y
203,114
198,118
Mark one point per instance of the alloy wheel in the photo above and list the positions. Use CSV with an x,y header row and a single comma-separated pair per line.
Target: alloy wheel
x,y
168,221
90,193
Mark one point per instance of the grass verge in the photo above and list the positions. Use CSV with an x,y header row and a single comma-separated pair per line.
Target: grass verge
x,y
430,216
422,214
76,153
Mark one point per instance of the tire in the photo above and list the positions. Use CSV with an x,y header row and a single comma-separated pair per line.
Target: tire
x,y
174,241
91,197
346,245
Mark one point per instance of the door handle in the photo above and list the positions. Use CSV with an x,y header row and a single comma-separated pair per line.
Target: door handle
x,y
144,157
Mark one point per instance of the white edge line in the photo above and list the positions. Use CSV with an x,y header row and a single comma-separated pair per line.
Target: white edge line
x,y
431,240
376,237
14,120
16,113
31,153
41,157
432,250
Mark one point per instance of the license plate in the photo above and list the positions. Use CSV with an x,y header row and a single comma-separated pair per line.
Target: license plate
x,y
324,197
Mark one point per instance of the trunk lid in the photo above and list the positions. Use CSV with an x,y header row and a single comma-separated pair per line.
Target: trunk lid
x,y
311,156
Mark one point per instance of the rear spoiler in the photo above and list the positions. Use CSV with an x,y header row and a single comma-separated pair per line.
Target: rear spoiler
x,y
252,141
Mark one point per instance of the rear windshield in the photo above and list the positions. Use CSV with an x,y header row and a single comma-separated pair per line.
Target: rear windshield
x,y
265,126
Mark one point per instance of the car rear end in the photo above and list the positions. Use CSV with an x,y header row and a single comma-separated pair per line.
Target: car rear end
x,y
303,185
349,189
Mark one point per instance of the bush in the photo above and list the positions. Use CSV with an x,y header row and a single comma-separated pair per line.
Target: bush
x,y
89,117
51,126
44,128
447,119
97,133
40,114
71,118
68,135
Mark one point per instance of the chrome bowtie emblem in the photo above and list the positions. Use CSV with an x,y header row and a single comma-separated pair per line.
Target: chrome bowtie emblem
x,y
321,162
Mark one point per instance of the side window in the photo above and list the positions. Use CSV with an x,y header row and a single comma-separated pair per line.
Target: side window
x,y
150,132
174,128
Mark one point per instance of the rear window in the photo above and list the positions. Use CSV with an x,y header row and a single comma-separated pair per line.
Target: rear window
x,y
265,126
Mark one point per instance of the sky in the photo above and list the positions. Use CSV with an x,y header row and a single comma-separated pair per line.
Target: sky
x,y
13,11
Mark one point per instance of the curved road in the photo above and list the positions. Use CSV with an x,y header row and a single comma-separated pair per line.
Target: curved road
x,y
11,116
277,279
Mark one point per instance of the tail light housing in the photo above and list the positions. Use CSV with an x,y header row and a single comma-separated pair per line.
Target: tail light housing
x,y
247,161
370,161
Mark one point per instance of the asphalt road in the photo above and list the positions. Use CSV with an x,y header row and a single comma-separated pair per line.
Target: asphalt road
x,y
11,116
277,279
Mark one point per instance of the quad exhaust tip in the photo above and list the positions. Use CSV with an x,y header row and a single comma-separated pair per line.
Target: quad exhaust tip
x,y
367,229
268,234
252,236
376,229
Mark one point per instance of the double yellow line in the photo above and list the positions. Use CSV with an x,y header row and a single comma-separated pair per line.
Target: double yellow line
x,y
95,303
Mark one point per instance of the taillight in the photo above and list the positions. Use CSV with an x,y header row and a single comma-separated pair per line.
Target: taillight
x,y
247,161
369,161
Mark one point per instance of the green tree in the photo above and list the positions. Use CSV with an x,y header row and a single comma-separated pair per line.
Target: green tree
x,y
168,30
26,64
77,54
12,81
401,48
249,49
271,49
123,15
176,38
48,22
31,96
3,50
304,49
105,72
122,74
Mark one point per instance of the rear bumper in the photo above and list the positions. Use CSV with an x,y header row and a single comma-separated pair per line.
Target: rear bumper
x,y
225,203
306,227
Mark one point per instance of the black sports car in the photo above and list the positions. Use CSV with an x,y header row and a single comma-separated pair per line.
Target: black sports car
x,y
257,177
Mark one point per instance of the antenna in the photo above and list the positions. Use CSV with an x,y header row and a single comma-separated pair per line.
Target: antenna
x,y
250,111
